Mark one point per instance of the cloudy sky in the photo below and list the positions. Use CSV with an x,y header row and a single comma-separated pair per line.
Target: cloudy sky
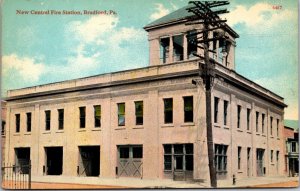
x,y
39,49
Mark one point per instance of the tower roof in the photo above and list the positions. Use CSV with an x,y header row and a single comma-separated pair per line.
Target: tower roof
x,y
178,16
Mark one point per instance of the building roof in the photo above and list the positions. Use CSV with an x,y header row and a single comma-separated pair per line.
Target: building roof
x,y
292,124
180,15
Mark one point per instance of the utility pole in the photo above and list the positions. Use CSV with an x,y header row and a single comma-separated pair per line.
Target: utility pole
x,y
203,14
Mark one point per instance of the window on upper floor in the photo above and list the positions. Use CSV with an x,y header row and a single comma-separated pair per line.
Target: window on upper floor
x,y
225,112
192,44
188,109
28,122
17,116
121,114
239,108
139,107
263,123
271,125
256,121
47,120
164,49
248,118
82,116
60,119
216,107
177,48
97,116
293,146
168,110
3,128
277,127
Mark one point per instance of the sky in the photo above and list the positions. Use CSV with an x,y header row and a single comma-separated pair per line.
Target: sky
x,y
39,49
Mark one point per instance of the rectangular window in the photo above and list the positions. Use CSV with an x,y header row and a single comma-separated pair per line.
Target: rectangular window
x,y
277,156
192,44
179,157
277,127
271,154
221,158
271,125
225,111
248,118
177,48
17,123
168,110
239,157
216,102
47,120
293,145
121,114
188,109
28,115
164,49
239,108
82,117
263,123
139,112
256,121
97,116
60,119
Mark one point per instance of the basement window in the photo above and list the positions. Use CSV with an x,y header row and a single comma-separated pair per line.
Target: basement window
x,y
164,49
178,48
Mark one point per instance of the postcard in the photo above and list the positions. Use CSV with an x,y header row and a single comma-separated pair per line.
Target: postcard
x,y
149,94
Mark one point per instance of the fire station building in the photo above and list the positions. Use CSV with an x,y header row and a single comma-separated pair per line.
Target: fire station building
x,y
150,122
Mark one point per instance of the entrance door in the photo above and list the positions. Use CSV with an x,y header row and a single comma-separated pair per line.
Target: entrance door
x,y
54,160
22,159
89,161
259,162
130,161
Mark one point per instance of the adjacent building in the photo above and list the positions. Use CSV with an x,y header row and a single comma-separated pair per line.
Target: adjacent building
x,y
3,124
291,134
150,122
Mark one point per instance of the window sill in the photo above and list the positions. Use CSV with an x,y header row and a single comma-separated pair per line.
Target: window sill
x,y
168,125
263,135
59,131
27,133
96,129
258,134
81,130
278,138
217,125
240,172
226,127
188,124
249,132
46,132
120,128
17,134
272,137
239,130
138,127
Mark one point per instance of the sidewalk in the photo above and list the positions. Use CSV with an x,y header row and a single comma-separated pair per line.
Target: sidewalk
x,y
148,183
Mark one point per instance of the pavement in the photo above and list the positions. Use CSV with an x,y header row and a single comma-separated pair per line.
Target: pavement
x,y
118,183
58,182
